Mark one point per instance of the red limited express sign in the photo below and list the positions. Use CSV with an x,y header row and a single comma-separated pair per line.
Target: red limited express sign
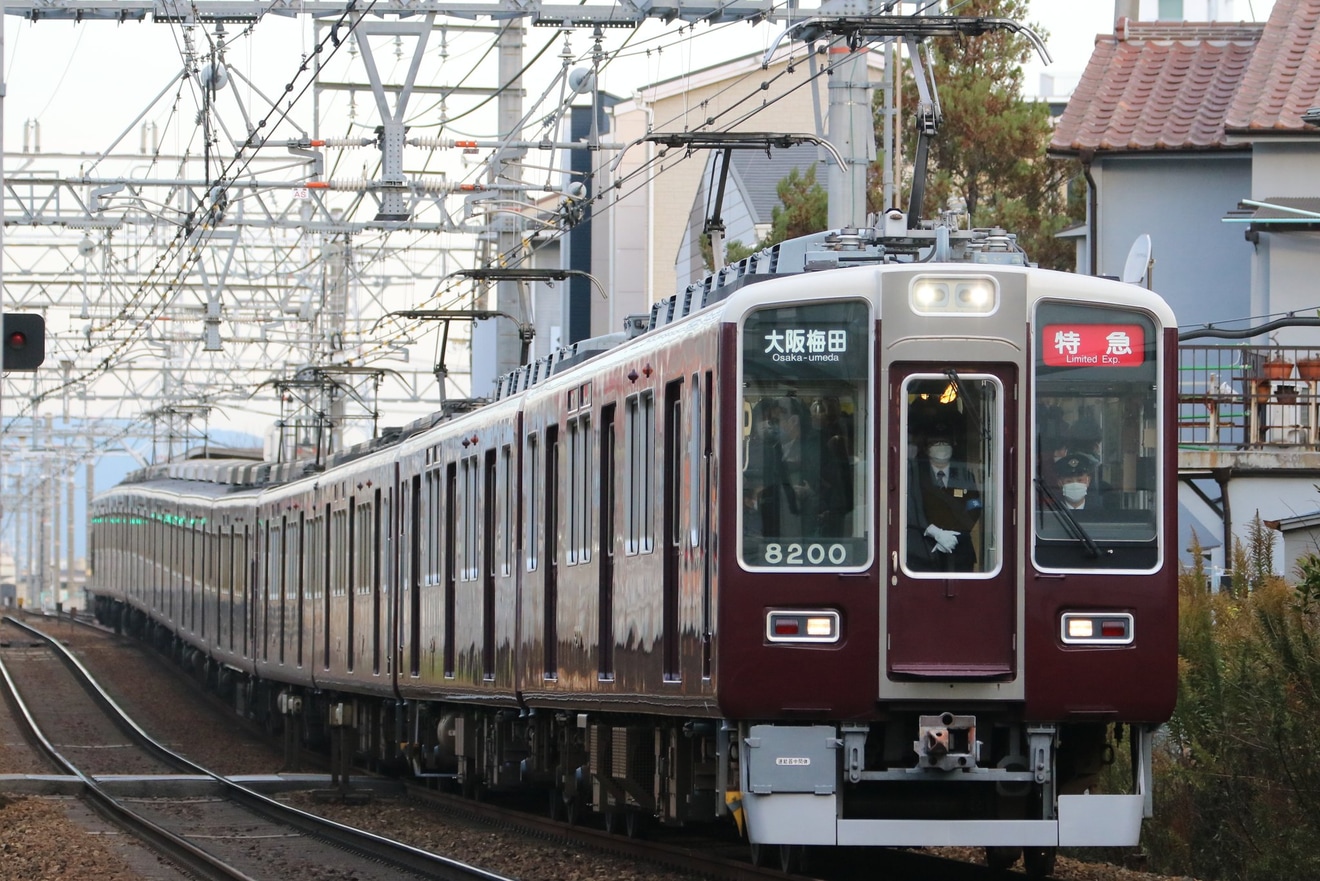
x,y
1094,345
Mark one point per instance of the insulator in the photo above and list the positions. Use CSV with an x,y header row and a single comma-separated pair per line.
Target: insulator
x,y
354,185
432,185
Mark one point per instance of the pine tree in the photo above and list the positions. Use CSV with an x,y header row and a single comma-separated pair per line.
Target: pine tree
x,y
989,152
990,149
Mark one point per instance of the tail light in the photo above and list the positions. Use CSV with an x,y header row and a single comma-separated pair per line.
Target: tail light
x,y
802,626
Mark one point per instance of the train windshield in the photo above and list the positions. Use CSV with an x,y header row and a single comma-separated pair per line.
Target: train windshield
x,y
1097,439
803,452
954,426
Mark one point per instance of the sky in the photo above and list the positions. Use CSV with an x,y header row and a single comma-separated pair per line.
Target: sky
x,y
76,81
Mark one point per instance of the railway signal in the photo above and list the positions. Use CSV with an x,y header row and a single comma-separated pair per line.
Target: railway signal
x,y
24,340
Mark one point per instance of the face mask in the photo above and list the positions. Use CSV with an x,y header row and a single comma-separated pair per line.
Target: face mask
x,y
1074,492
940,452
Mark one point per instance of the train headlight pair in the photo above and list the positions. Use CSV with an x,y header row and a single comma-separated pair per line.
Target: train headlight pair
x,y
962,295
1097,628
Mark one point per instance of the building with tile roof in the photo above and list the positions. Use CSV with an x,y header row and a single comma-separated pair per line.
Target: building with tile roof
x,y
1204,136
1147,120
1183,127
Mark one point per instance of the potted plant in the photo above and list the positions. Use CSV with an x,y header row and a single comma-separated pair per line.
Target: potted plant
x,y
1277,368
1286,394
1308,368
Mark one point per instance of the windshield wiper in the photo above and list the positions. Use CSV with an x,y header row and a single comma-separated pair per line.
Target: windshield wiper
x,y
972,407
1070,524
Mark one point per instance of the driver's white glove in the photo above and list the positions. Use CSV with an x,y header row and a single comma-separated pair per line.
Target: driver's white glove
x,y
945,539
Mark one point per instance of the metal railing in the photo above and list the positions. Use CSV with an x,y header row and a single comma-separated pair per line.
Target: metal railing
x,y
1248,397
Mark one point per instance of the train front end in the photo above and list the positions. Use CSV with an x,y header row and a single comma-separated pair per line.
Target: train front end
x,y
951,600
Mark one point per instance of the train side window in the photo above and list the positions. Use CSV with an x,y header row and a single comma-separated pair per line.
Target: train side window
x,y
696,493
471,568
507,510
579,489
431,529
1096,452
804,454
639,473
533,499
575,501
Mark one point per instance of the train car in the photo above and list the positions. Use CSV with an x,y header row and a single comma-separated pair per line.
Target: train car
x,y
865,540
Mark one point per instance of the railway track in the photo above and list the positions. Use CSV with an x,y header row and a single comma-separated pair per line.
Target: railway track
x,y
508,837
210,825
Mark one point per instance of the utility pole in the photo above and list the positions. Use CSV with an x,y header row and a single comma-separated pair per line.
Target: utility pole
x,y
852,132
507,226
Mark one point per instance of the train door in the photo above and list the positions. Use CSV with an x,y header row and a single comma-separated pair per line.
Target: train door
x,y
380,585
673,527
951,604
488,521
407,514
605,600
550,623
251,549
416,541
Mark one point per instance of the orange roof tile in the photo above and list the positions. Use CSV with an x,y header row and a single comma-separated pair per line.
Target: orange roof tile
x,y
1283,80
1158,86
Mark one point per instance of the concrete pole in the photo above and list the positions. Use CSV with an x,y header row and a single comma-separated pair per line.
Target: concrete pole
x,y
52,484
28,517
42,570
507,169
852,132
69,522
889,173
87,527
3,290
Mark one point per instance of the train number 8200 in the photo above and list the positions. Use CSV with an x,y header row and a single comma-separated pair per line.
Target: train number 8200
x,y
796,554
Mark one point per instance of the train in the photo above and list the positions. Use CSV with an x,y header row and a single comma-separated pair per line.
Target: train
x,y
711,569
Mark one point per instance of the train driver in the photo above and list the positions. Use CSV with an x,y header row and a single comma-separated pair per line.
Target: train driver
x,y
944,505
1074,478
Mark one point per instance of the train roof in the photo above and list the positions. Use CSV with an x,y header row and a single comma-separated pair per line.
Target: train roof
x,y
890,242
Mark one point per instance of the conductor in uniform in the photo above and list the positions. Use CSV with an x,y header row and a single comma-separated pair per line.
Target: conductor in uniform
x,y
944,506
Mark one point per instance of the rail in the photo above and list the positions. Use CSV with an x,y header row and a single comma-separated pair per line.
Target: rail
x,y
1248,397
407,859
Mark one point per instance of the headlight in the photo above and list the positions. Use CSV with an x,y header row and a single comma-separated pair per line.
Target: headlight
x,y
963,295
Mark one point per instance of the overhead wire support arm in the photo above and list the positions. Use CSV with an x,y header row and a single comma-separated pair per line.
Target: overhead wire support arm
x,y
739,141
726,143
526,331
929,117
860,30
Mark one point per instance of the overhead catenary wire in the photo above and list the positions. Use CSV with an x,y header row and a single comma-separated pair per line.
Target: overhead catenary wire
x,y
162,284
177,245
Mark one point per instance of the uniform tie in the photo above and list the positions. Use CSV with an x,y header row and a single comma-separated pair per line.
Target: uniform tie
x,y
939,478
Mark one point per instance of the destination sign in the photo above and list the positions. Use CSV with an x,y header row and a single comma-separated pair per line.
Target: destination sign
x,y
1094,345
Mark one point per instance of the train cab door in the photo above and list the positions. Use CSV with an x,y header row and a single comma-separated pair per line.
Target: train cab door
x,y
951,604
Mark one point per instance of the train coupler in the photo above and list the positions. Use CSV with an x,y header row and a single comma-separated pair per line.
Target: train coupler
x,y
946,742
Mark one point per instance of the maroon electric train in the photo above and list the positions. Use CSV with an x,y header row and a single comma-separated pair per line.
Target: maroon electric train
x,y
805,550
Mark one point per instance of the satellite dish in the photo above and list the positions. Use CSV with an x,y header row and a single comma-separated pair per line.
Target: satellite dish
x,y
1138,261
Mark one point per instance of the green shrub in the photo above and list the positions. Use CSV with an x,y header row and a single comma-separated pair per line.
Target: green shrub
x,y
1237,789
